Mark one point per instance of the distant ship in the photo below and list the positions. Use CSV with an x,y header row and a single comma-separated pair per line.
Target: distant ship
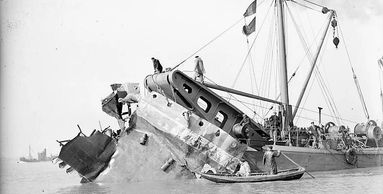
x,y
41,156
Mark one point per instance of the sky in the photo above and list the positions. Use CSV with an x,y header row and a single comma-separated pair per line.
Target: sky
x,y
58,58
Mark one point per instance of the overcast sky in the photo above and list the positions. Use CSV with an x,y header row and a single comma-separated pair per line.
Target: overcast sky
x,y
58,58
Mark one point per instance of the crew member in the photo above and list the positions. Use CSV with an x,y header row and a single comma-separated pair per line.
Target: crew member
x,y
157,65
314,132
199,69
244,169
274,120
269,159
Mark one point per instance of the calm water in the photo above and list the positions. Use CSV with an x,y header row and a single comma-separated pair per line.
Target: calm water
x,y
46,177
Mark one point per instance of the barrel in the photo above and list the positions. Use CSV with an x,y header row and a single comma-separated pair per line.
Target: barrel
x,y
144,139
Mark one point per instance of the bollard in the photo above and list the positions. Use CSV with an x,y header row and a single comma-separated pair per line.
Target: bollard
x,y
144,139
167,164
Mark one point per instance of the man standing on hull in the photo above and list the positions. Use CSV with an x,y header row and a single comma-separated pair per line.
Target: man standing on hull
x,y
157,65
199,69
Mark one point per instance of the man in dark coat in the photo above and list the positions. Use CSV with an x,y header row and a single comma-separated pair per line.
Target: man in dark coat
x,y
157,65
269,159
199,69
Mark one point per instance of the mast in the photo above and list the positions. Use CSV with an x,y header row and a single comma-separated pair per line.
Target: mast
x,y
312,65
286,110
380,64
30,155
381,99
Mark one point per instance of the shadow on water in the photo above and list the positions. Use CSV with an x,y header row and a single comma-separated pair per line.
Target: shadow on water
x,y
86,188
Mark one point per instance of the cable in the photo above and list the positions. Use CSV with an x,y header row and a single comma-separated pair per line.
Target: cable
x,y
355,78
304,5
207,44
314,3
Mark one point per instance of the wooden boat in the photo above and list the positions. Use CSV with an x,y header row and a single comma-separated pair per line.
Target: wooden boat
x,y
284,175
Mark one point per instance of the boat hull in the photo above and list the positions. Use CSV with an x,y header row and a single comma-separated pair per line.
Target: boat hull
x,y
290,174
318,159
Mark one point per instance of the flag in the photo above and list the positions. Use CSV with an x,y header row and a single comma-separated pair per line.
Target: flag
x,y
251,9
248,29
380,61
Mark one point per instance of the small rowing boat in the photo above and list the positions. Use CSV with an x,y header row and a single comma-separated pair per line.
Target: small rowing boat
x,y
284,175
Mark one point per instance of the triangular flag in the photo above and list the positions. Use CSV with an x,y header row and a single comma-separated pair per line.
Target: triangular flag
x,y
380,61
251,9
248,29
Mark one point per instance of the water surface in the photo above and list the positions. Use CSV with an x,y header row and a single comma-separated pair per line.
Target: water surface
x,y
45,177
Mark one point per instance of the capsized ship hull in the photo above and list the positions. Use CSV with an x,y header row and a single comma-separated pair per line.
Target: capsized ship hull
x,y
174,134
135,162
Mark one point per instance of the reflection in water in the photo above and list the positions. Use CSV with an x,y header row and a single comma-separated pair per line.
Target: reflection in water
x,y
87,188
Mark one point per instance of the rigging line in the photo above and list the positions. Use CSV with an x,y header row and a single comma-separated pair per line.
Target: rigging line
x,y
304,5
268,60
325,114
304,43
302,108
323,81
219,35
314,3
380,77
255,38
270,65
330,104
307,118
251,71
306,48
248,103
329,94
248,47
254,77
232,96
325,91
300,63
354,76
305,100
